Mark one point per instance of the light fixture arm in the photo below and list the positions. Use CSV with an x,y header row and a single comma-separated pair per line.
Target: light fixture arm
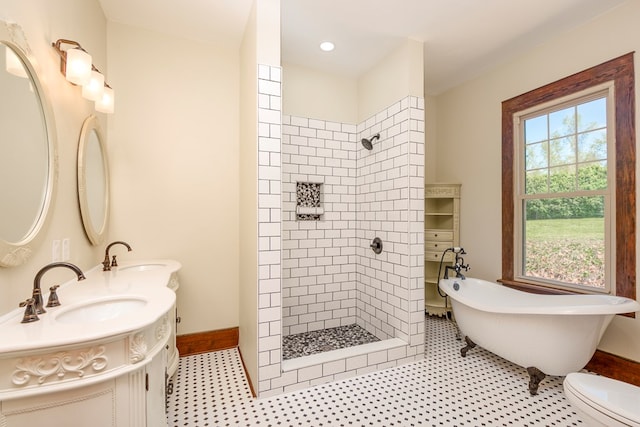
x,y
63,53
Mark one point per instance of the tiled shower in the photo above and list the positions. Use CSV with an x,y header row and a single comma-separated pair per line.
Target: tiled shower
x,y
316,267
331,277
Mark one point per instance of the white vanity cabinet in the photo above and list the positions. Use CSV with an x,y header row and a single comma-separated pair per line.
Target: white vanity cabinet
x,y
76,367
441,231
94,405
126,383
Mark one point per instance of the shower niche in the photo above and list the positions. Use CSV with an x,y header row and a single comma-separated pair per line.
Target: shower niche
x,y
309,201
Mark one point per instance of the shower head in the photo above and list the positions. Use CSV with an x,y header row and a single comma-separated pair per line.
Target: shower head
x,y
368,143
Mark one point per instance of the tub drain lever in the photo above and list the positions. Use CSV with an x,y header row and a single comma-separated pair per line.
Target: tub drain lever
x,y
376,245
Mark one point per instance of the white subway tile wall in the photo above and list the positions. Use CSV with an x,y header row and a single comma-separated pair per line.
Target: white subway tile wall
x,y
319,274
269,229
318,257
389,200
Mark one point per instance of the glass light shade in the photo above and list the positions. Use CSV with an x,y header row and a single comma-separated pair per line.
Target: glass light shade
x,y
95,88
78,66
106,103
13,63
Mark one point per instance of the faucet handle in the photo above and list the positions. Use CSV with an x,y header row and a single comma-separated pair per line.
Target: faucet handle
x,y
106,264
30,314
114,263
53,300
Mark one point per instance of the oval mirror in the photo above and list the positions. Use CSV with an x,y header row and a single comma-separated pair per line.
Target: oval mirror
x,y
93,181
28,162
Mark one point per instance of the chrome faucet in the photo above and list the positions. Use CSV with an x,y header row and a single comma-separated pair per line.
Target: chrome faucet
x,y
37,292
107,264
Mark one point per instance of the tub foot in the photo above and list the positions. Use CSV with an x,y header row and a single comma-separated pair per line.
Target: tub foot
x,y
535,376
469,346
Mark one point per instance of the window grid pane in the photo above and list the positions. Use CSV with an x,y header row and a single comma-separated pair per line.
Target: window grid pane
x,y
576,135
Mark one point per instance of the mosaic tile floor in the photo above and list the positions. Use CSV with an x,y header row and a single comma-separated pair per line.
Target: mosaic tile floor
x,y
314,342
444,389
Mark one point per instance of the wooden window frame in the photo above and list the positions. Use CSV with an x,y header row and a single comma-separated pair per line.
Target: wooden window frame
x,y
621,71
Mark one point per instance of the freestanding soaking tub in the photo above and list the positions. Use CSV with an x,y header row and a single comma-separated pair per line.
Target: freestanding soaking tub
x,y
547,334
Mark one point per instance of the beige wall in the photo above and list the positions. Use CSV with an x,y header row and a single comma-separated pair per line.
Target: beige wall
x,y
430,138
44,22
322,96
248,340
174,165
397,75
469,139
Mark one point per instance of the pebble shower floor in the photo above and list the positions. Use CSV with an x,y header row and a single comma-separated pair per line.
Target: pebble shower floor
x,y
444,389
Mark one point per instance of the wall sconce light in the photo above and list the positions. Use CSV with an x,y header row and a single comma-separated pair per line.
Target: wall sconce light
x,y
76,66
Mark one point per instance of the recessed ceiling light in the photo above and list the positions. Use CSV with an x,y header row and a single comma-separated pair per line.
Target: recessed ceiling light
x,y
327,46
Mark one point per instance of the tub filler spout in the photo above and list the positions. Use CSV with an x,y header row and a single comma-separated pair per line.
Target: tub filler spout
x,y
459,264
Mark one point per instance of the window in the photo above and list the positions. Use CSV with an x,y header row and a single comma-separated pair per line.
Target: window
x,y
569,183
562,198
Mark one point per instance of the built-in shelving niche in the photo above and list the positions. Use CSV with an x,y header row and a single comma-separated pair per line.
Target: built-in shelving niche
x,y
309,201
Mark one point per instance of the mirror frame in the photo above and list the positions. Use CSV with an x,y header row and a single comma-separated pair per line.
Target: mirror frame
x,y
16,253
91,124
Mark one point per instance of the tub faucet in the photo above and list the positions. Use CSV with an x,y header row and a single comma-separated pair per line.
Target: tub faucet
x,y
459,264
37,292
107,264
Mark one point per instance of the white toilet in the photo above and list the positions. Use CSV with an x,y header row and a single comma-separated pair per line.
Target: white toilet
x,y
602,401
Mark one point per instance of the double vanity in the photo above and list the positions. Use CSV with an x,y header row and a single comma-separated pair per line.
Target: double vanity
x,y
104,357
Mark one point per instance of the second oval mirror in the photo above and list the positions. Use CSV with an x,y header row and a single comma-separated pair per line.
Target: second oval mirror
x,y
93,180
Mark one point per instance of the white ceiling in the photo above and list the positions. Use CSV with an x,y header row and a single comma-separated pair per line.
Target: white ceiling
x,y
462,38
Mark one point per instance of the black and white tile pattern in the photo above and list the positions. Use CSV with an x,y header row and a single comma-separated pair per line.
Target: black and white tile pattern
x,y
314,342
444,389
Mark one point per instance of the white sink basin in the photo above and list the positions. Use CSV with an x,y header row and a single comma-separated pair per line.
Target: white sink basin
x,y
100,310
142,267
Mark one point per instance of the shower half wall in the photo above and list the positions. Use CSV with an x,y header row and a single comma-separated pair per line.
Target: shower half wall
x,y
330,275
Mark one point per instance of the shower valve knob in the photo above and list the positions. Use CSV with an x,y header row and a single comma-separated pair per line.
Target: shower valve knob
x,y
376,245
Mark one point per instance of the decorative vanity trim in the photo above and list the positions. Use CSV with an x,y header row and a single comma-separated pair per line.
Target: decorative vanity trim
x,y
59,365
163,329
174,284
137,348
